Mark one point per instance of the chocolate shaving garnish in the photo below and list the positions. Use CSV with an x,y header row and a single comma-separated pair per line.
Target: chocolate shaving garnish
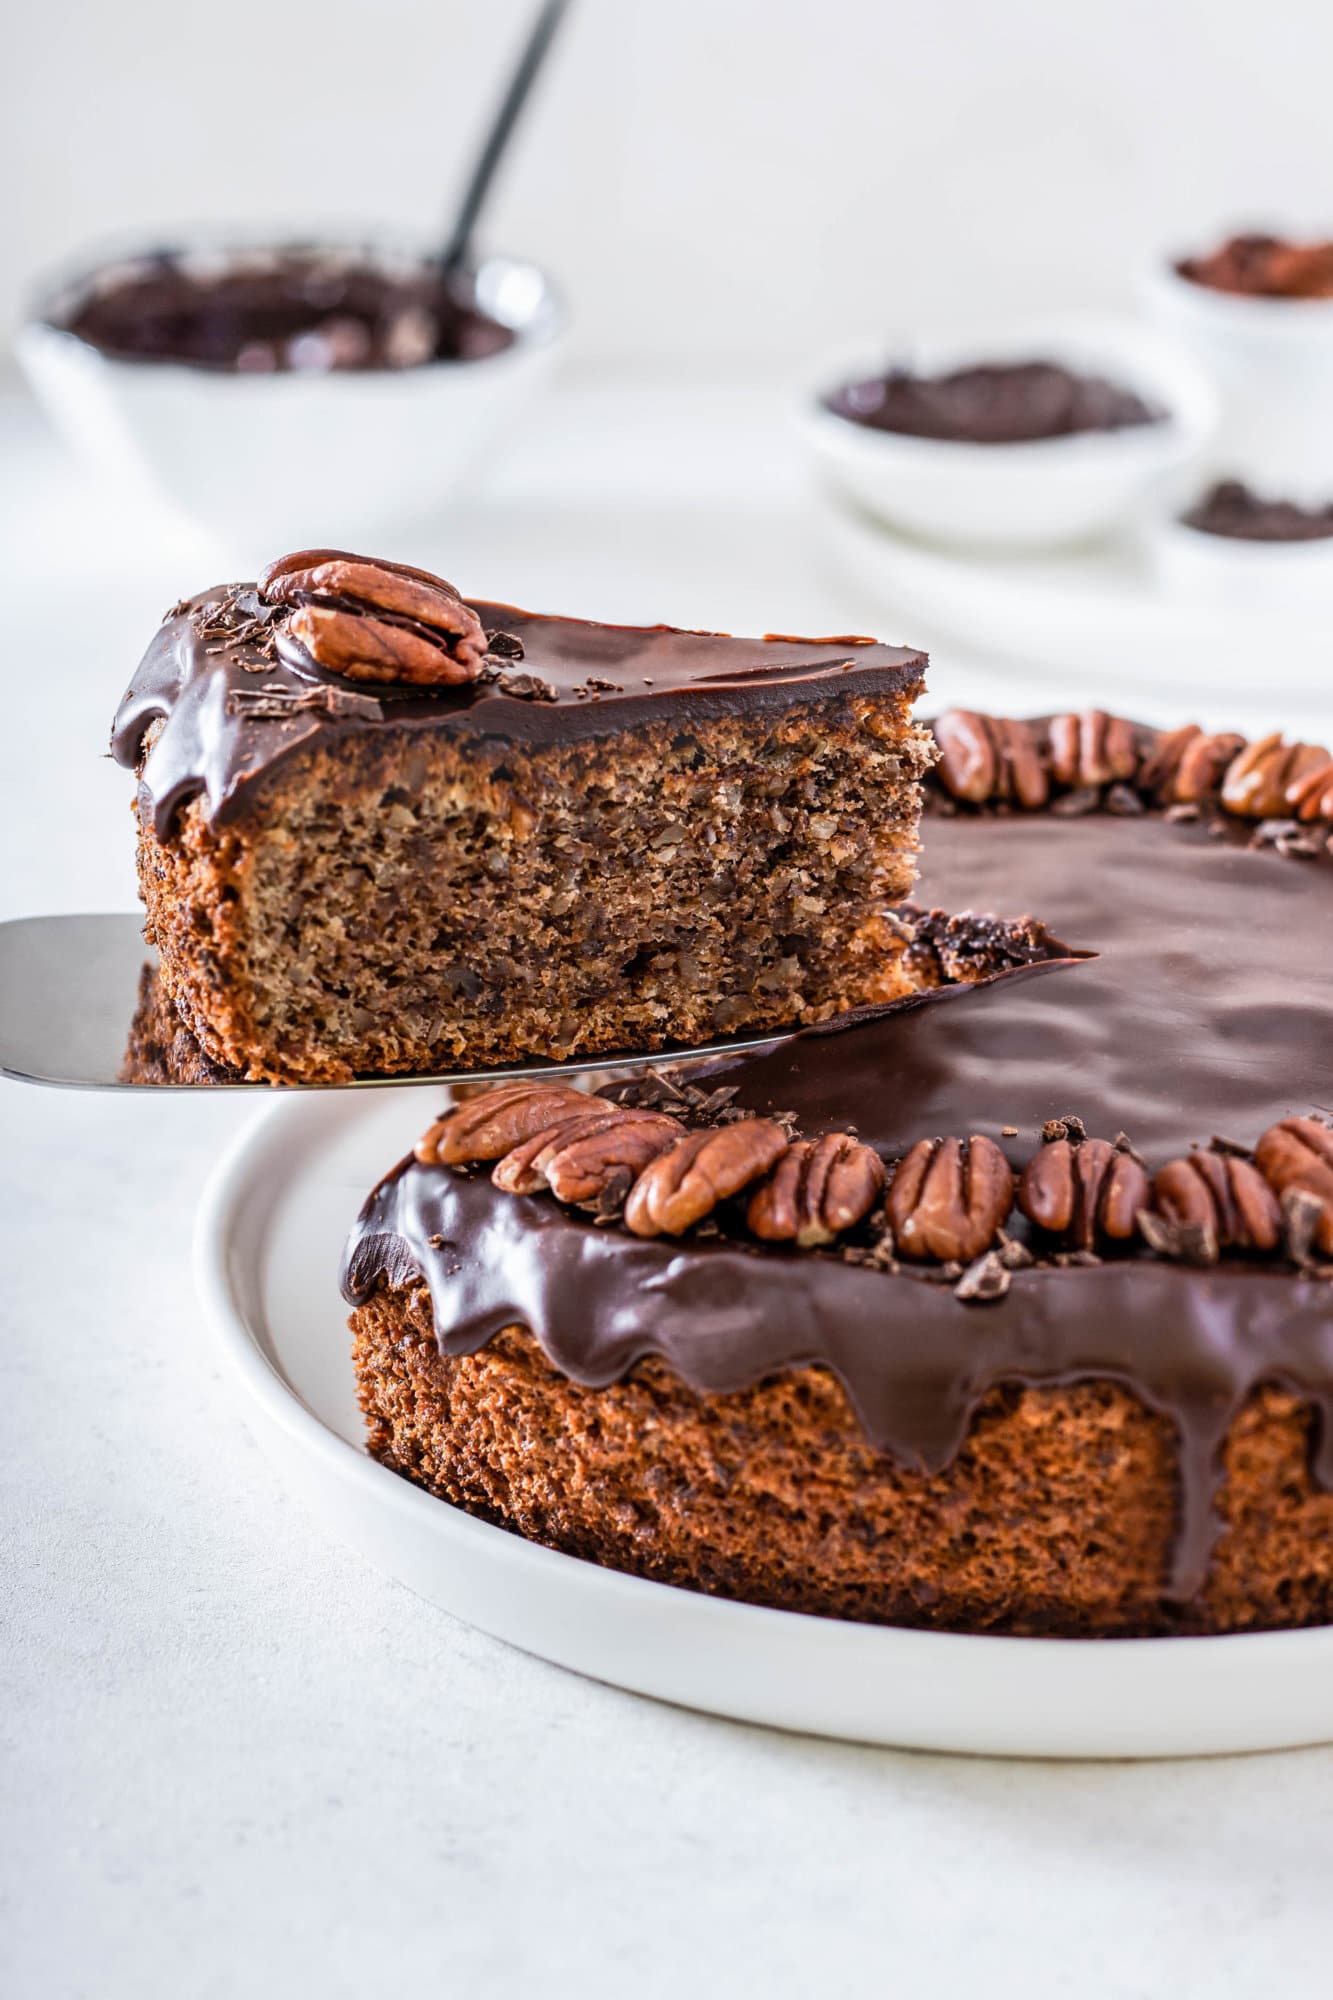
x,y
1302,1214
1125,802
1183,1242
1074,805
527,687
1069,1127
716,1101
504,645
986,1279
610,1201
1015,1256
274,702
1181,815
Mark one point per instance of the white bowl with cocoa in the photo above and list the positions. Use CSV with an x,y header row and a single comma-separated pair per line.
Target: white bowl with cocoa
x,y
1047,435
282,393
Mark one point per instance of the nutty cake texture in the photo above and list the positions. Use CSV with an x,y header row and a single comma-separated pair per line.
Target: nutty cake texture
x,y
381,829
1056,1516
1009,1309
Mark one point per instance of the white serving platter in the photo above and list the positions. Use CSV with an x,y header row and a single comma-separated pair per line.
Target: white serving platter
x,y
269,1236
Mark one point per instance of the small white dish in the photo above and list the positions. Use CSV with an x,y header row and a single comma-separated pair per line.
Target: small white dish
x,y
267,462
1235,574
1043,494
1271,361
267,1248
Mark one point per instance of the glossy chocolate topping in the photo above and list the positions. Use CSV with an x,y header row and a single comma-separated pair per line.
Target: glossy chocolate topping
x,y
1207,1012
294,310
997,403
231,709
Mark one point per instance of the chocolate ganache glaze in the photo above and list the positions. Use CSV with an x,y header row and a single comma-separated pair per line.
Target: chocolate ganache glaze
x,y
213,707
1206,1013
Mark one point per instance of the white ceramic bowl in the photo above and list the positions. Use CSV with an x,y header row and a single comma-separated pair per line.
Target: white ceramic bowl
x,y
1011,496
290,460
1271,362
1226,572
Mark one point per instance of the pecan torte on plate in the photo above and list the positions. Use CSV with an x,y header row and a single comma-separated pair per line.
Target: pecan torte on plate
x,y
385,830
1010,1314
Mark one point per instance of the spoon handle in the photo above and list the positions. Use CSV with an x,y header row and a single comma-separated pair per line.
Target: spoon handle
x,y
540,36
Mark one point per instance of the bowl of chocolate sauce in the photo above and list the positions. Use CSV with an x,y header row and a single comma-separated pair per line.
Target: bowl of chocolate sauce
x,y
279,393
1237,545
1052,435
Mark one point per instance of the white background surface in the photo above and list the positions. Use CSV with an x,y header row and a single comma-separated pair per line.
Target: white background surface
x,y
237,1762
710,178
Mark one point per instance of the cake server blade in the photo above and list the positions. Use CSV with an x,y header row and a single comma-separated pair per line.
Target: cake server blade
x,y
69,987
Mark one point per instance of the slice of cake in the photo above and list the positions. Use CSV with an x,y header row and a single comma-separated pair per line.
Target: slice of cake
x,y
1013,1314
382,829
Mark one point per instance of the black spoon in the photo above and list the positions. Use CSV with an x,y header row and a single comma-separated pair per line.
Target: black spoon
x,y
457,251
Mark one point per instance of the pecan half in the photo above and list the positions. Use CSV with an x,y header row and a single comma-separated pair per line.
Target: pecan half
x,y
490,1125
523,1169
948,1198
686,1183
818,1189
1311,796
986,757
1093,748
1223,1194
1259,781
582,1170
1185,765
1087,1194
1298,1154
374,620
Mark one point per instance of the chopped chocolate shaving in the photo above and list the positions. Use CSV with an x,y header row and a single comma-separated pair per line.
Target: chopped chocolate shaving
x,y
1183,1242
504,645
1182,814
988,1278
1073,805
527,687
1015,1256
1126,802
1302,1214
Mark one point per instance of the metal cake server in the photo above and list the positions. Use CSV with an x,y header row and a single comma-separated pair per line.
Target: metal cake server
x,y
69,987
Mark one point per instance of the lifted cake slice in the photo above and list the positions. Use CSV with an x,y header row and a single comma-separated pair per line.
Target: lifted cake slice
x,y
385,830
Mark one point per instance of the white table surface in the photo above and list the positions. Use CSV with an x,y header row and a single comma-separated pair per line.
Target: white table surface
x,y
238,1762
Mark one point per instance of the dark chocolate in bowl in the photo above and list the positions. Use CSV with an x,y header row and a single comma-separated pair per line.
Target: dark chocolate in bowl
x,y
1231,511
292,310
1023,402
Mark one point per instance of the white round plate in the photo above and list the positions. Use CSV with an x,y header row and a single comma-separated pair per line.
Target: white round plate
x,y
267,1250
1100,625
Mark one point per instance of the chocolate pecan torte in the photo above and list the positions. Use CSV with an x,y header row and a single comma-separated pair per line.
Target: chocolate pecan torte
x,y
382,829
1010,1314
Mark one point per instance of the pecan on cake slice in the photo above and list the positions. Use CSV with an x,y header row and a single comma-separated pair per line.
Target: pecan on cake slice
x,y
374,620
